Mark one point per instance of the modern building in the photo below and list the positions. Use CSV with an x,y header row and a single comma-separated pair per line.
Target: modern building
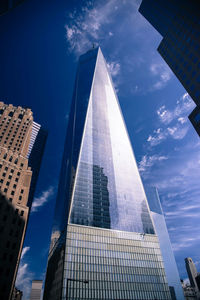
x,y
165,244
36,289
178,23
192,271
103,242
16,130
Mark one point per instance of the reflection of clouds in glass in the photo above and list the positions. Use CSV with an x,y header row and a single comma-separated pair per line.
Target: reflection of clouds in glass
x,y
108,190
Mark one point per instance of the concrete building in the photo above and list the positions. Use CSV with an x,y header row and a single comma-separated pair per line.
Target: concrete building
x,y
16,125
103,241
165,244
192,271
178,23
36,290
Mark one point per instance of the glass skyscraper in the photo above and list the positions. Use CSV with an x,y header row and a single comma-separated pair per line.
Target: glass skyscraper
x,y
165,244
103,242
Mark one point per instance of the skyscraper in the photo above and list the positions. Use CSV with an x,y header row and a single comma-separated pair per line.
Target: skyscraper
x,y
36,290
178,23
192,271
103,240
16,130
165,244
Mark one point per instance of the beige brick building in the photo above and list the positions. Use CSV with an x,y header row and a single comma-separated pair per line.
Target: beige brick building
x,y
15,178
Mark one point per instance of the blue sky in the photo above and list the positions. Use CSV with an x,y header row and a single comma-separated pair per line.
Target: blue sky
x,y
40,45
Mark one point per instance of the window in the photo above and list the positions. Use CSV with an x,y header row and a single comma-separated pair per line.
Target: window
x,y
22,213
6,168
22,191
5,155
12,171
10,199
20,198
18,173
7,183
5,190
16,179
13,192
21,165
11,257
14,186
10,176
4,174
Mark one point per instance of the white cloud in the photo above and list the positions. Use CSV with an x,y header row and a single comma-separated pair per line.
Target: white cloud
x,y
40,201
178,116
177,132
86,28
148,161
24,276
114,68
24,251
158,136
183,106
163,74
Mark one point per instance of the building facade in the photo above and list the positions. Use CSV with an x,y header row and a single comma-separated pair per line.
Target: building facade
x,y
103,242
16,125
192,271
165,244
178,23
36,289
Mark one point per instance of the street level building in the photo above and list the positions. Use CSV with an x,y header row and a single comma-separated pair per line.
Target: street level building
x,y
165,244
36,290
178,23
103,242
16,126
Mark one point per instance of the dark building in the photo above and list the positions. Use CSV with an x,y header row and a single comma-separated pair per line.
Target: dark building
x,y
178,23
103,241
198,280
6,5
17,138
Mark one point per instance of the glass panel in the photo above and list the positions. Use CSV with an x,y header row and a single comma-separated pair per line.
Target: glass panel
x,y
108,192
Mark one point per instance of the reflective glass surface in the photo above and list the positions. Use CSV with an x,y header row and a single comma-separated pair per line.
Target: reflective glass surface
x,y
106,264
108,192
103,244
164,240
